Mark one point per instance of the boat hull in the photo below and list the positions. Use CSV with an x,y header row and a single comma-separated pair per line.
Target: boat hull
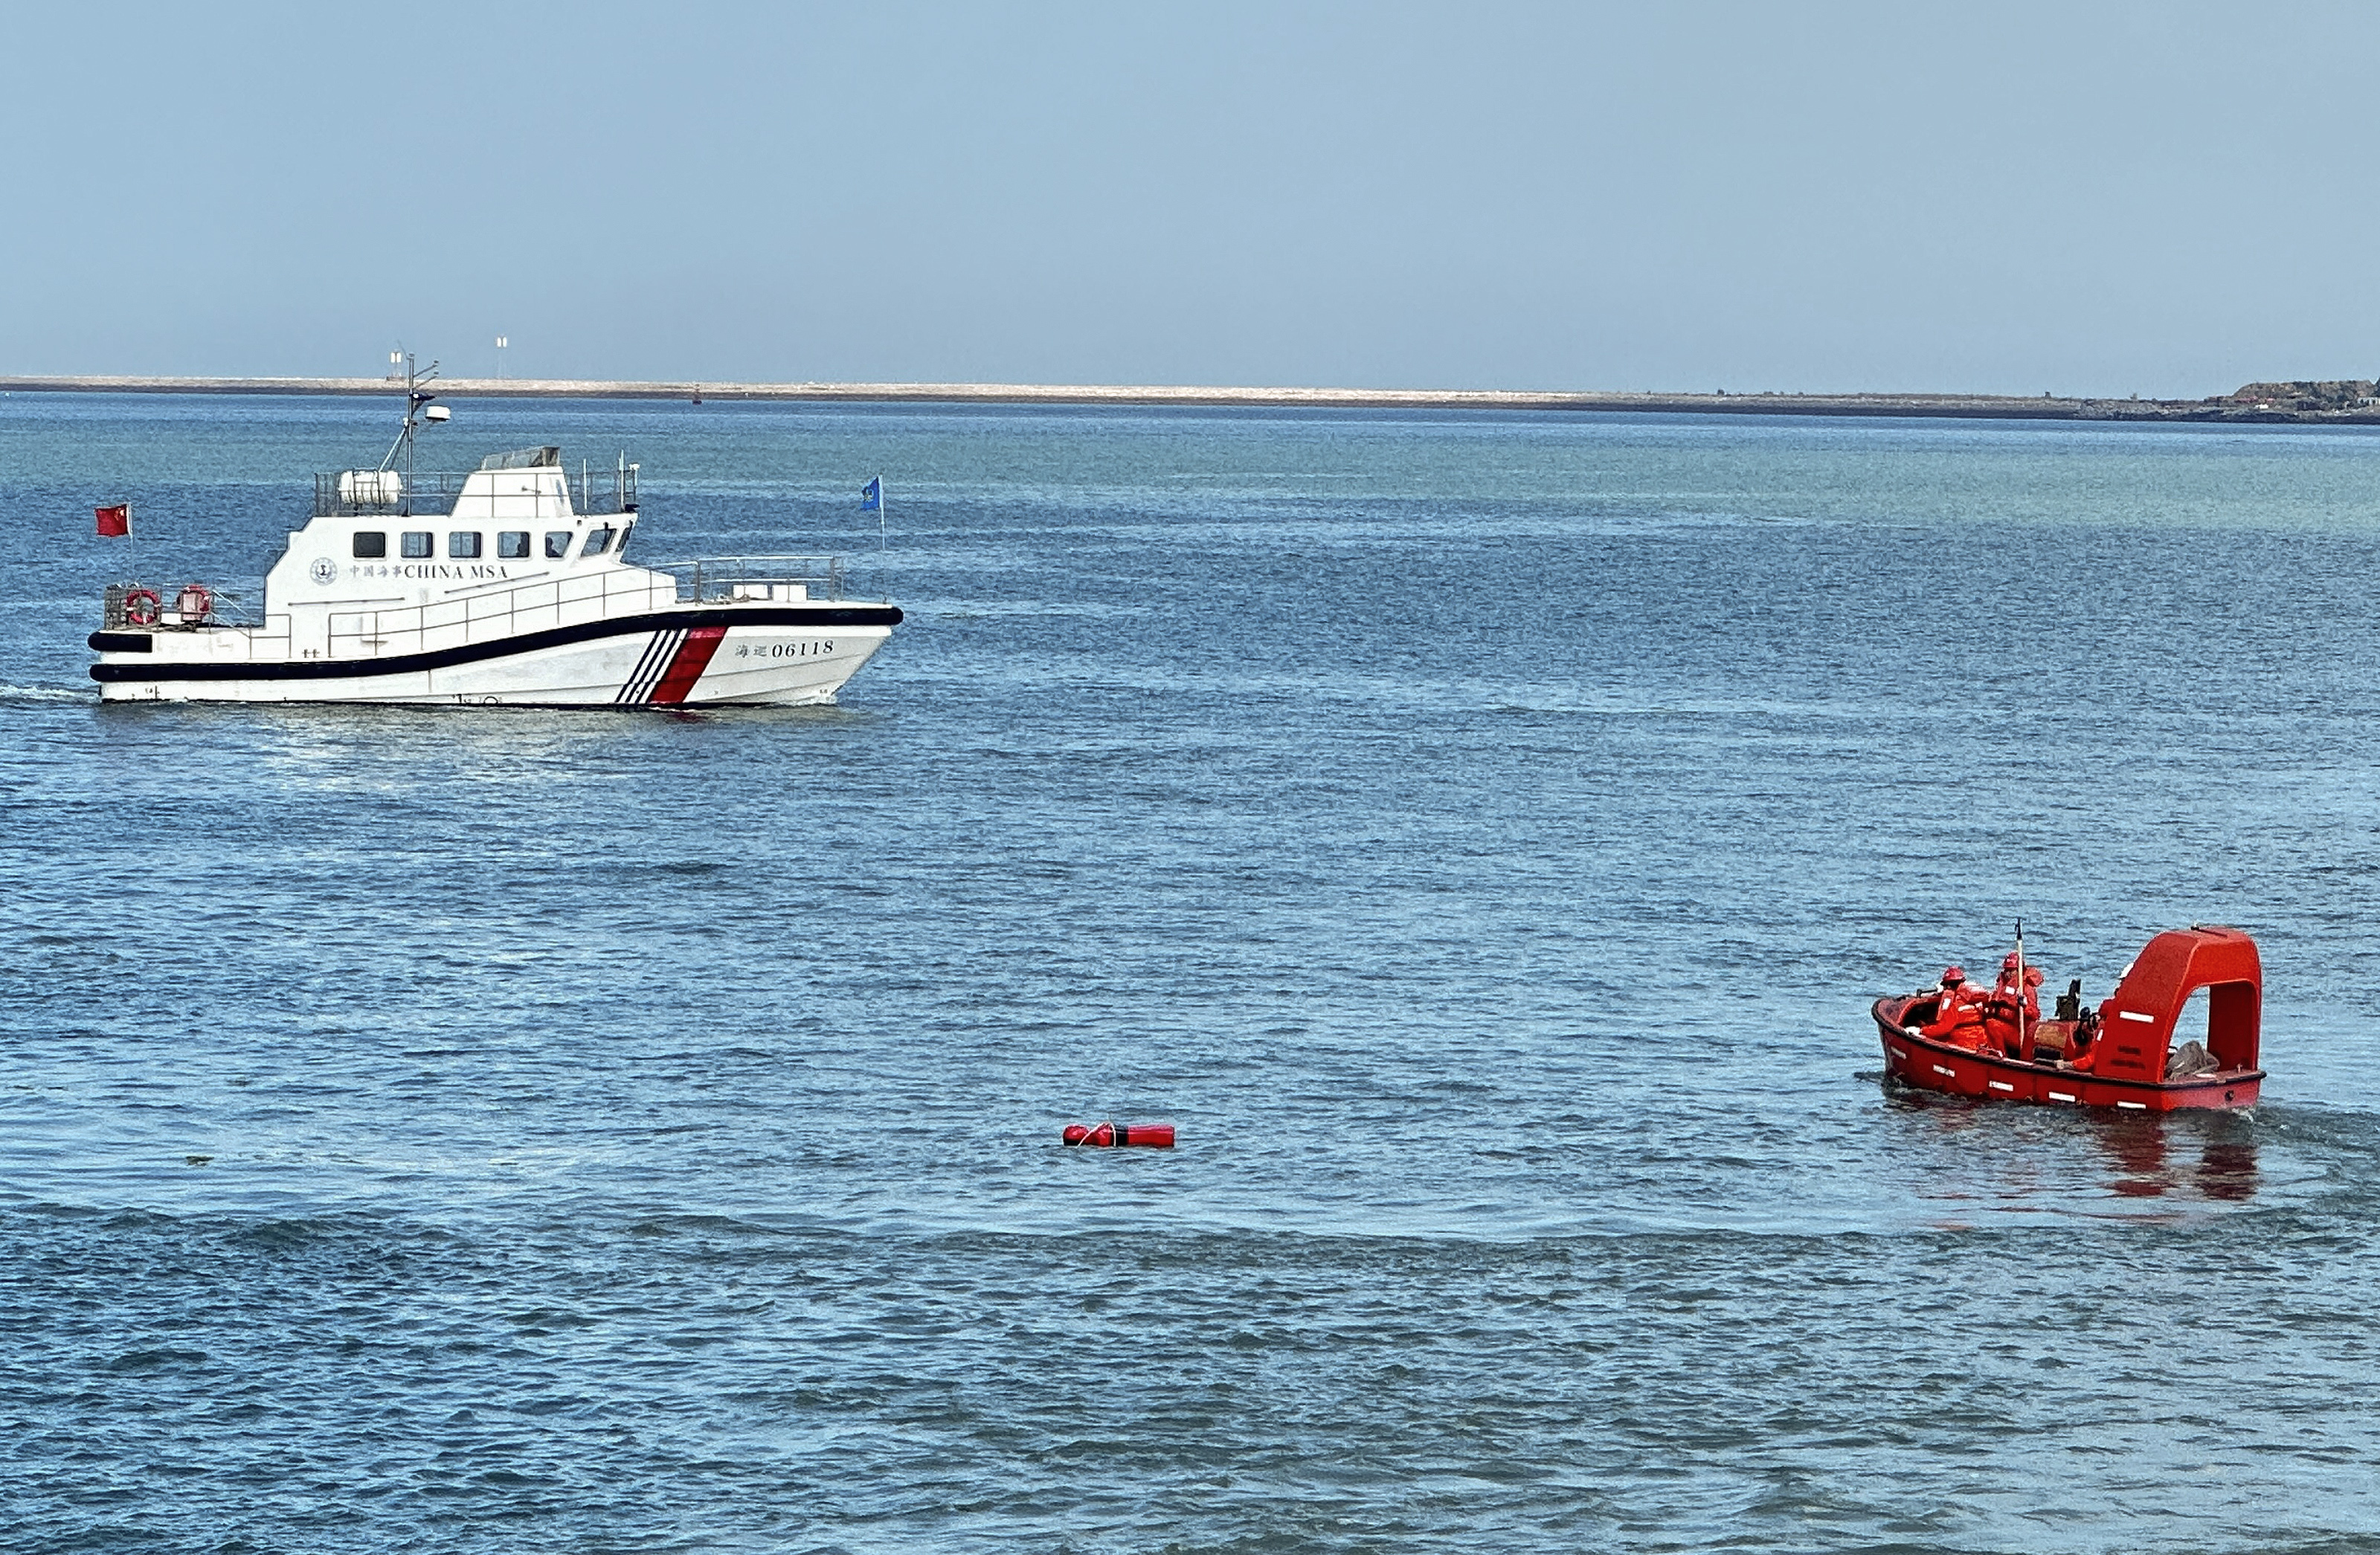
x,y
1927,1064
710,656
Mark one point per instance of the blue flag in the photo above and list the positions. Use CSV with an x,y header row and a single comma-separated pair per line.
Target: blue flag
x,y
871,496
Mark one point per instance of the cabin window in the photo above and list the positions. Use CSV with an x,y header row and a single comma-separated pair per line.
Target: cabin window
x,y
597,542
512,544
370,542
557,544
622,549
417,544
463,545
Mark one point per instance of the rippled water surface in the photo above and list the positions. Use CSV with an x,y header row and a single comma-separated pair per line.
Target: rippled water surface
x,y
1481,837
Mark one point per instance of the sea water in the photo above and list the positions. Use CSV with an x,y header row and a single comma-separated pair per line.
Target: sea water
x,y
1481,836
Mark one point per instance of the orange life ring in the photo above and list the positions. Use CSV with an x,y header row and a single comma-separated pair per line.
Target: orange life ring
x,y
194,602
143,607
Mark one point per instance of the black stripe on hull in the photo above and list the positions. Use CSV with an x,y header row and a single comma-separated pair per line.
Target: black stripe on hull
x,y
658,654
526,642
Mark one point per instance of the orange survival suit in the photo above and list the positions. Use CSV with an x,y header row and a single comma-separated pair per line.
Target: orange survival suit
x,y
2000,1030
1960,1018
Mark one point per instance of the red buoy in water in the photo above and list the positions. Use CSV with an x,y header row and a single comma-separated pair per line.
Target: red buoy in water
x,y
1108,1135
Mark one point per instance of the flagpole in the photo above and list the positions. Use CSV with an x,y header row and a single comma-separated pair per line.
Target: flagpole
x,y
884,541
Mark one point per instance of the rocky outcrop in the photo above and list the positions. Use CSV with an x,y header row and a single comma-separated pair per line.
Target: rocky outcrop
x,y
2329,393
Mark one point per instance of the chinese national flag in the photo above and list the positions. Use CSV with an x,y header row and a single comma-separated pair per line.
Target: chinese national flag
x,y
117,520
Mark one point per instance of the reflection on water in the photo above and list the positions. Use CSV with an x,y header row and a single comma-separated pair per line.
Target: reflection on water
x,y
2028,1158
2142,1146
2136,1142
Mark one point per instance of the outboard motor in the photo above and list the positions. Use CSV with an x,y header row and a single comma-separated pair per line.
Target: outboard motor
x,y
2069,1003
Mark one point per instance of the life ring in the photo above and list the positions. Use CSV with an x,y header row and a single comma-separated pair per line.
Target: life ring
x,y
143,607
194,602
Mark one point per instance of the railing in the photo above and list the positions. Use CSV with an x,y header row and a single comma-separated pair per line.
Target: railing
x,y
756,577
575,598
475,618
371,493
227,607
350,493
598,492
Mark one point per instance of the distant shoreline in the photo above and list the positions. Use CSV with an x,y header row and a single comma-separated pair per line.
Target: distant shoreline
x,y
2003,407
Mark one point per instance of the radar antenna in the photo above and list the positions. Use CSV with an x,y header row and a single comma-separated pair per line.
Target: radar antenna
x,y
416,412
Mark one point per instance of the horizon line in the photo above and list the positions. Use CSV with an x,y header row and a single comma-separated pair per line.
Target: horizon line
x,y
1771,402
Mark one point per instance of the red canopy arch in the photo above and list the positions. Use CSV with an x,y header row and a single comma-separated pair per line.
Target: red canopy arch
x,y
2136,1021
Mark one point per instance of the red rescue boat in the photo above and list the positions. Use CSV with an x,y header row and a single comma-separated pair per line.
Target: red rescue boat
x,y
2120,1055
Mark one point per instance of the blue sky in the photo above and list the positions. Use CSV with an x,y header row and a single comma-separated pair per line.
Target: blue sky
x,y
2112,198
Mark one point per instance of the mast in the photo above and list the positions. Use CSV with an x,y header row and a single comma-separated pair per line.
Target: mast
x,y
416,396
2020,986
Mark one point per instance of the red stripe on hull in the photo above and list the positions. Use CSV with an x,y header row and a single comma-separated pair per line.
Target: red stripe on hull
x,y
692,657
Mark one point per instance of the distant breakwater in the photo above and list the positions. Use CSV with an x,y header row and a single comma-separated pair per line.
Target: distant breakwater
x,y
1981,406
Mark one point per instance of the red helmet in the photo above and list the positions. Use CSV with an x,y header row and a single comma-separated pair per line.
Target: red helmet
x,y
1954,975
2008,962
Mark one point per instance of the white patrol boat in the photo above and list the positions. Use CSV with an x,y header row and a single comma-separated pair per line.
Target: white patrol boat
x,y
504,585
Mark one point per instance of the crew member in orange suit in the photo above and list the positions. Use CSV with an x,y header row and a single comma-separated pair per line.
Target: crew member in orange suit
x,y
2001,1031
1958,1020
